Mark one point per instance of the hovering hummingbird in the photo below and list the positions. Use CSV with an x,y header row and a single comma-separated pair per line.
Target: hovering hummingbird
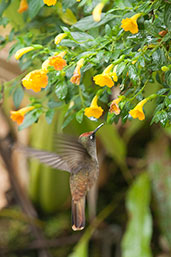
x,y
79,158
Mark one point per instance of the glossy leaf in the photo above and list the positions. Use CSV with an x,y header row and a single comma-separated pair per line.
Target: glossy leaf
x,y
136,240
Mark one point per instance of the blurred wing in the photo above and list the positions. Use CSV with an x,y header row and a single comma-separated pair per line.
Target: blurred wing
x,y
73,152
51,159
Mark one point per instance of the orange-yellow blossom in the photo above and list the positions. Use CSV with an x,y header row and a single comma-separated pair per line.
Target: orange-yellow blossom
x,y
75,79
130,24
23,6
137,112
23,51
56,61
94,110
114,107
59,38
18,116
35,80
50,2
97,12
104,79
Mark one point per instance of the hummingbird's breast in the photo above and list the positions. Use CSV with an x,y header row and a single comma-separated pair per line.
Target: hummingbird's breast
x,y
82,181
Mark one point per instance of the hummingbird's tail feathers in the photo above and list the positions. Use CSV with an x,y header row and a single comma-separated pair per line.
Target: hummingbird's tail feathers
x,y
78,214
51,159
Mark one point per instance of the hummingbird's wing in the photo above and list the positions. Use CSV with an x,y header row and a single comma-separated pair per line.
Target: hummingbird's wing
x,y
73,152
51,159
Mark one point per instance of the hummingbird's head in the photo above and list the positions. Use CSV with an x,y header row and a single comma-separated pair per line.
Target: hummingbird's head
x,y
88,139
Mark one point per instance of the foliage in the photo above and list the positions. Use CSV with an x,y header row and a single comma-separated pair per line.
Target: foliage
x,y
123,70
138,58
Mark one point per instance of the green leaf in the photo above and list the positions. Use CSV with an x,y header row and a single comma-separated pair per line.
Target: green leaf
x,y
79,116
18,96
34,7
81,36
158,159
53,104
49,116
160,116
3,5
68,120
136,240
87,23
61,90
67,17
120,68
30,118
111,117
68,3
167,16
132,72
4,21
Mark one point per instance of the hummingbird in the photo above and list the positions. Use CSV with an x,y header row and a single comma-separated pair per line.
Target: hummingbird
x,y
79,158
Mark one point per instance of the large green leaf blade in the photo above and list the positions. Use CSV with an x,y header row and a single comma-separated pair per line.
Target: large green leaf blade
x,y
136,241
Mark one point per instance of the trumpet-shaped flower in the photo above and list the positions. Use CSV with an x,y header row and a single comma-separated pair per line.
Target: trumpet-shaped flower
x,y
59,38
23,6
56,61
114,107
75,79
23,51
97,12
18,116
130,24
137,112
50,2
105,78
94,110
35,80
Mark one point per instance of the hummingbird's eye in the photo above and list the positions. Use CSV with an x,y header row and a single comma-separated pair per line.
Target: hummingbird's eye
x,y
92,137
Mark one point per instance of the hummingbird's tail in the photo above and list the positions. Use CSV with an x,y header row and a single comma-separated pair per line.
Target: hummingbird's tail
x,y
78,214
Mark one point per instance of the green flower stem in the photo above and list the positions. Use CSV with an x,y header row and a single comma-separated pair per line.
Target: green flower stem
x,y
138,92
153,96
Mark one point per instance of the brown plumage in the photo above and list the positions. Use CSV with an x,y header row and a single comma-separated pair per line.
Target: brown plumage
x,y
77,156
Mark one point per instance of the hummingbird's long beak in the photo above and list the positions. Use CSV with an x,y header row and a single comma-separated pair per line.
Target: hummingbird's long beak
x,y
98,128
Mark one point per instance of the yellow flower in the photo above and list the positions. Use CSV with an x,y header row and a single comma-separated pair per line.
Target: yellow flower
x,y
23,51
108,69
18,116
23,6
114,76
114,107
133,62
35,80
56,61
97,12
137,112
59,38
94,110
50,2
104,79
75,79
130,24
